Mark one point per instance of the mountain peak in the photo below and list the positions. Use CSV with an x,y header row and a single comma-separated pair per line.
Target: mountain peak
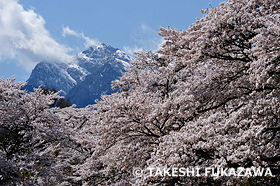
x,y
101,46
99,51
86,79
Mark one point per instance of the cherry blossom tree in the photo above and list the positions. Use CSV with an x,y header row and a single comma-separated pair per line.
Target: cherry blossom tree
x,y
208,97
32,137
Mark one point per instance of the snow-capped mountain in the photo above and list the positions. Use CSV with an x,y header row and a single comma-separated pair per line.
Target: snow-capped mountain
x,y
87,78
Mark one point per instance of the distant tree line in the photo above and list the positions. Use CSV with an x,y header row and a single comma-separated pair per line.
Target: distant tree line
x,y
61,102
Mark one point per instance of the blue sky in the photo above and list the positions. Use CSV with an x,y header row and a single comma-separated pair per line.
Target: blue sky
x,y
53,30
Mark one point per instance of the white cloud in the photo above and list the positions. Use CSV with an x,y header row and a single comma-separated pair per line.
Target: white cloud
x,y
88,41
23,36
145,38
68,31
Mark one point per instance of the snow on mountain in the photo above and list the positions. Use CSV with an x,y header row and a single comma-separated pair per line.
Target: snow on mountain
x,y
86,79
52,75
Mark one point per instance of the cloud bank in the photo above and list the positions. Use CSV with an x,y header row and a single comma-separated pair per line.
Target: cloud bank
x,y
23,36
